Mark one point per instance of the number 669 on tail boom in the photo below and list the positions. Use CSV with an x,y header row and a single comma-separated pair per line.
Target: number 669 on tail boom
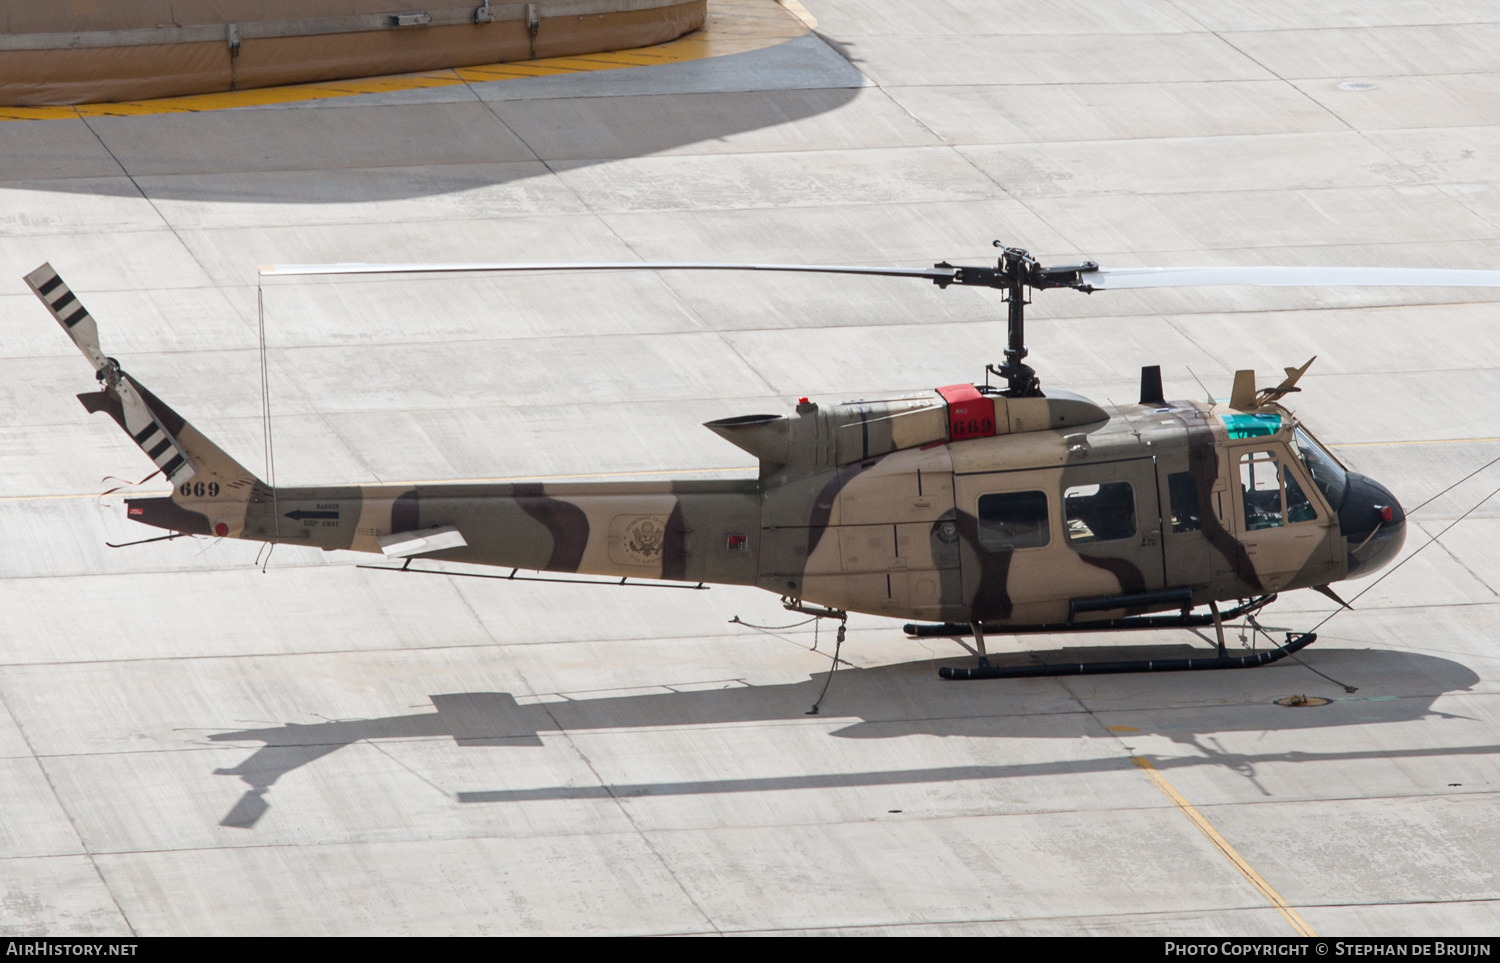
x,y
971,508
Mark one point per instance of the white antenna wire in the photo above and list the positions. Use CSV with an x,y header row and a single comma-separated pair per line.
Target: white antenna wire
x,y
265,420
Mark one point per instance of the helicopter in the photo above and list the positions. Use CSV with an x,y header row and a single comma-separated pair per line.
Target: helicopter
x,y
970,508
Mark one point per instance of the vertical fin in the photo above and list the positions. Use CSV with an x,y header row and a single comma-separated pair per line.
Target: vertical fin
x,y
142,424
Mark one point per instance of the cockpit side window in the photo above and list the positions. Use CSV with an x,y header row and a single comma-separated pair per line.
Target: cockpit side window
x,y
1271,492
1260,485
1326,472
1298,507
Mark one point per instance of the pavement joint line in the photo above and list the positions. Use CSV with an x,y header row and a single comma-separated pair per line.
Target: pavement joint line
x,y
566,738
1230,853
57,799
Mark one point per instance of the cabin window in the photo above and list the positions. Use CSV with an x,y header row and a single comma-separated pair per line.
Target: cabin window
x,y
1099,513
1260,484
1013,520
1182,493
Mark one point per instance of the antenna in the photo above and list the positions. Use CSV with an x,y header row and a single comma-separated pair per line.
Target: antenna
x,y
265,415
1209,395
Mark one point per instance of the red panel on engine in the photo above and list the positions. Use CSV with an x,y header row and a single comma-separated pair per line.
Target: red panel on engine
x,y
970,414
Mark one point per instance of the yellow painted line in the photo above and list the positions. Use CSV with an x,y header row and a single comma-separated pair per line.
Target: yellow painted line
x,y
1423,441
428,481
801,13
1230,853
733,26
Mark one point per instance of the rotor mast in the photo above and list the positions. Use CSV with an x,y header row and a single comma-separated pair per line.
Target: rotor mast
x,y
1016,271
1015,266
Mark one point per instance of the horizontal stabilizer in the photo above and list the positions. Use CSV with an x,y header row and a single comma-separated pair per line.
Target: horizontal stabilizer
x,y
407,544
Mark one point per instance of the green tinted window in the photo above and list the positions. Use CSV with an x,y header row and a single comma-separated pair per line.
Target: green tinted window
x,y
1251,426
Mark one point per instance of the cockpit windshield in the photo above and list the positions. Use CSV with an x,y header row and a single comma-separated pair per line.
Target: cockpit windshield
x,y
1327,473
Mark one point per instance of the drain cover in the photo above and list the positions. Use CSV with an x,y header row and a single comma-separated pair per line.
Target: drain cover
x,y
1301,701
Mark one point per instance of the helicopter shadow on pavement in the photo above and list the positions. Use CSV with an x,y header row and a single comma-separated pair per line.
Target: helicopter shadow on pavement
x,y
902,700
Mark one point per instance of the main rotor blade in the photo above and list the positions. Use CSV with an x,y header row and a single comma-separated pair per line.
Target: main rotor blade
x,y
1100,279
1115,279
283,270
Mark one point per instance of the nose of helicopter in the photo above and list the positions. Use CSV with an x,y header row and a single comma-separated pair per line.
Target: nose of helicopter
x,y
1373,522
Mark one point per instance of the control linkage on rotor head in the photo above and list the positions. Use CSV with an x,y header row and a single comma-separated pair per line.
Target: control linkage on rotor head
x,y
1016,271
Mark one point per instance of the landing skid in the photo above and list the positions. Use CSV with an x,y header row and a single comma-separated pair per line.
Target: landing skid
x,y
1183,620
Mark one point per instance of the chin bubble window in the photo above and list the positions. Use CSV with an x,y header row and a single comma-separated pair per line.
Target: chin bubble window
x,y
1099,513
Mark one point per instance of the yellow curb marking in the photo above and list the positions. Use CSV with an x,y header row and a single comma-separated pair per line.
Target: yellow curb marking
x,y
1230,853
801,13
733,26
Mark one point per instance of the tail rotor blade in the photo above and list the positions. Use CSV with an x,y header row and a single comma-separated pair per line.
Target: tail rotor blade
x,y
68,311
133,413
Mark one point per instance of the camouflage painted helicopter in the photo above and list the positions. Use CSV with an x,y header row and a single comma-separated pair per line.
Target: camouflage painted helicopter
x,y
977,508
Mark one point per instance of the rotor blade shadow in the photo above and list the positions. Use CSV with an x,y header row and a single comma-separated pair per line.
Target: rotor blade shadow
x,y
899,777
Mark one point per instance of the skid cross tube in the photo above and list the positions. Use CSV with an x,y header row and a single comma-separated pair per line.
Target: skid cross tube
x,y
1294,643
1187,621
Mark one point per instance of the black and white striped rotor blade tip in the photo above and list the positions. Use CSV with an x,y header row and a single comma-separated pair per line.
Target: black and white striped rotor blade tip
x,y
1116,279
68,311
